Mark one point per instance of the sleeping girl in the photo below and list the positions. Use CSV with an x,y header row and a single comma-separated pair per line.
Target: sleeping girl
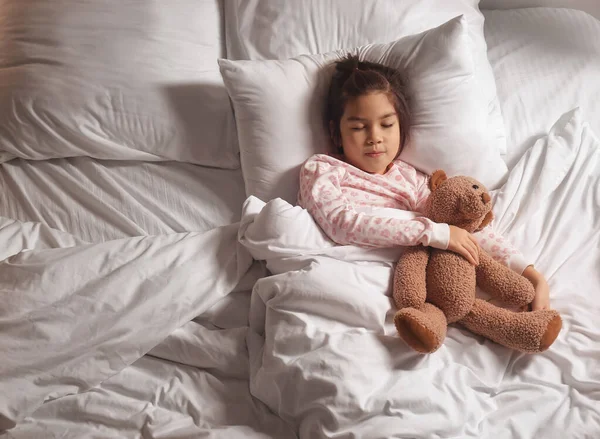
x,y
369,121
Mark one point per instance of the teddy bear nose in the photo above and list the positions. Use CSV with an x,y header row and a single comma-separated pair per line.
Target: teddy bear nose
x,y
485,197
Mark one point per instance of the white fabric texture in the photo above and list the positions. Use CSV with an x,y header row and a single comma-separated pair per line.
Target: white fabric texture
x,y
545,61
113,79
118,301
592,7
282,29
323,350
279,110
98,200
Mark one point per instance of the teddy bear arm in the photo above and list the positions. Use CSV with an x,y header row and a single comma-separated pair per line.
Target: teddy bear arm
x,y
410,278
502,282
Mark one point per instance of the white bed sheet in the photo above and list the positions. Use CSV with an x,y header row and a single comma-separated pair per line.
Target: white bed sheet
x,y
545,61
102,200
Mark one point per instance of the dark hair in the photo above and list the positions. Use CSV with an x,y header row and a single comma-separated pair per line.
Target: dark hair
x,y
353,78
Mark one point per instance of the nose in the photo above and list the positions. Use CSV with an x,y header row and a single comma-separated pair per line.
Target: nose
x,y
375,136
485,197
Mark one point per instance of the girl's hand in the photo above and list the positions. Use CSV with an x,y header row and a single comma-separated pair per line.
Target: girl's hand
x,y
463,243
542,290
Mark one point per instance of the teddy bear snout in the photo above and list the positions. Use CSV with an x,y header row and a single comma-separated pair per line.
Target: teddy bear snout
x,y
486,197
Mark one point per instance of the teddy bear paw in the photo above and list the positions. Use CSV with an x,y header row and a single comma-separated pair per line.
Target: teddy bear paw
x,y
423,329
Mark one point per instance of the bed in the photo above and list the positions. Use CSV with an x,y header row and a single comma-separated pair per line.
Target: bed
x,y
157,280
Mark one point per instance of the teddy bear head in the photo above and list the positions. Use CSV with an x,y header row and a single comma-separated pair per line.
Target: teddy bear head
x,y
459,201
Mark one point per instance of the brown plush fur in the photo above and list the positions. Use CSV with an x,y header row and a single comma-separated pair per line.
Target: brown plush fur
x,y
433,288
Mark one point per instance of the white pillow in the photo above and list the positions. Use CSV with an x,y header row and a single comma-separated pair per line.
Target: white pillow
x,y
592,7
281,29
279,110
546,60
114,79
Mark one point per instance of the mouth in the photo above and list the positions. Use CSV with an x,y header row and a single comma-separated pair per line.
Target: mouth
x,y
374,154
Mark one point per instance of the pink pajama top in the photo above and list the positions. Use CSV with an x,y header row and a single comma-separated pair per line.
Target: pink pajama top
x,y
372,210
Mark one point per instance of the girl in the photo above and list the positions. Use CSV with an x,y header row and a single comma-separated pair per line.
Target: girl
x,y
369,121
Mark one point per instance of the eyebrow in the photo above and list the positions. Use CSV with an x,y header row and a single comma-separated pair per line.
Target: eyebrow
x,y
362,119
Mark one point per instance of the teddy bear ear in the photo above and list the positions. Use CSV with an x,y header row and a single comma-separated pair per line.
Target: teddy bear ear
x,y
437,178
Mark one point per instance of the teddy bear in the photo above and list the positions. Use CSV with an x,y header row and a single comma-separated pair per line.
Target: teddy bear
x,y
433,288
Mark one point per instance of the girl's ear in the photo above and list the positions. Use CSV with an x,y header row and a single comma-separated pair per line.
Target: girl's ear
x,y
437,178
335,138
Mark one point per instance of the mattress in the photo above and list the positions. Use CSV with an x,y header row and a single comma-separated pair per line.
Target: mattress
x,y
98,200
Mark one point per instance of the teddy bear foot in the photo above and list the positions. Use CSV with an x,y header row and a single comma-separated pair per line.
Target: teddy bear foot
x,y
422,329
530,332
552,330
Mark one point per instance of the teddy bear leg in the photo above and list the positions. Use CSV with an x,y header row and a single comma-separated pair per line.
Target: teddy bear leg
x,y
524,331
423,328
410,278
502,282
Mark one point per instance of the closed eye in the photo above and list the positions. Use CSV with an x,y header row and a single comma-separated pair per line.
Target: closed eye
x,y
387,125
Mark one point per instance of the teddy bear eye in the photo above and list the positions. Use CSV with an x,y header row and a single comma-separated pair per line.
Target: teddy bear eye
x,y
475,187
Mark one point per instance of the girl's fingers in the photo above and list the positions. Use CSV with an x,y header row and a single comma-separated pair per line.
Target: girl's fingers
x,y
475,257
473,240
475,246
466,253
474,253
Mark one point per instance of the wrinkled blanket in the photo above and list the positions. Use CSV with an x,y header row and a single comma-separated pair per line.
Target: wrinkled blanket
x,y
317,356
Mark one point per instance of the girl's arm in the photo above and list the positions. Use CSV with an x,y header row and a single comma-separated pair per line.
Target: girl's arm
x,y
501,249
321,195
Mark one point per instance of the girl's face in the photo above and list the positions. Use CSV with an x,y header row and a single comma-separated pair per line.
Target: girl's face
x,y
370,132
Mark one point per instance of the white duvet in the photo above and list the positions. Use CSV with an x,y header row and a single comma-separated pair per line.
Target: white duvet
x,y
322,360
